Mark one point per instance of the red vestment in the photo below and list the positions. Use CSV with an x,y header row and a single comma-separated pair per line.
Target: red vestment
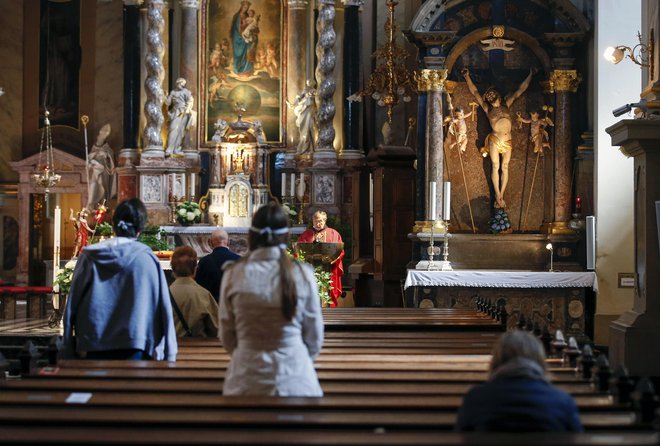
x,y
328,235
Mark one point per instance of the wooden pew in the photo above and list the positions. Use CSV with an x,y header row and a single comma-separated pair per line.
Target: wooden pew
x,y
123,435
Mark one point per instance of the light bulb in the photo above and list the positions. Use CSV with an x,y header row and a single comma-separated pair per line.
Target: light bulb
x,y
548,246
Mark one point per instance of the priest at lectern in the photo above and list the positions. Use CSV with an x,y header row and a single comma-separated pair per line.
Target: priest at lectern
x,y
320,233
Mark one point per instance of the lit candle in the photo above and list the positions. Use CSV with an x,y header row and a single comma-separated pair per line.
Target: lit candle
x,y
578,205
301,186
432,199
283,184
293,185
57,223
446,197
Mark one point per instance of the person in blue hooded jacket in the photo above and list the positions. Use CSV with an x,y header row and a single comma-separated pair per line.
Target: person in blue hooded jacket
x,y
119,302
518,397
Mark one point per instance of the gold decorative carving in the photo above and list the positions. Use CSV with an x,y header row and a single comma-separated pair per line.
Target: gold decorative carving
x,y
431,80
498,31
564,80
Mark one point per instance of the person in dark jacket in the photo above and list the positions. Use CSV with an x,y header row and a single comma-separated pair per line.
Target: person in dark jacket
x,y
209,268
518,397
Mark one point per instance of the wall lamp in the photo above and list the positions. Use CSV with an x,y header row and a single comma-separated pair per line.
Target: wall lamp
x,y
640,54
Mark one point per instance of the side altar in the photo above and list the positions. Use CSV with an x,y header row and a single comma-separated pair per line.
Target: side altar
x,y
540,299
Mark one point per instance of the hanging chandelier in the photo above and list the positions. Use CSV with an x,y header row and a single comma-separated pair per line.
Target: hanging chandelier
x,y
391,79
44,175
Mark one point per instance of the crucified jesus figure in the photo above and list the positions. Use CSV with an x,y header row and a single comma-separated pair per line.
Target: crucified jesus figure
x,y
498,141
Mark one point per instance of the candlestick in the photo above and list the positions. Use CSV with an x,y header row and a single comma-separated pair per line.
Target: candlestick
x,y
371,201
432,199
283,184
57,223
446,197
293,185
301,186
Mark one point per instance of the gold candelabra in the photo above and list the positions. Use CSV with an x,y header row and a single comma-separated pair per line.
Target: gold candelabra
x,y
391,79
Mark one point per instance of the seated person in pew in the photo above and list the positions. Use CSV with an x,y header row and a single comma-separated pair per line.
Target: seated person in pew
x,y
196,305
119,303
518,397
270,315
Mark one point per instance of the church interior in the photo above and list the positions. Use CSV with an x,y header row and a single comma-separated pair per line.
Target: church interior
x,y
489,166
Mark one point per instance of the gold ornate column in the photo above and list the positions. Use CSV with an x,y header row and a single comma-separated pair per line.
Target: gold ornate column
x,y
431,82
562,83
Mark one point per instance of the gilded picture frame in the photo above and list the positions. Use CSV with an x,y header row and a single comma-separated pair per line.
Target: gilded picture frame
x,y
243,65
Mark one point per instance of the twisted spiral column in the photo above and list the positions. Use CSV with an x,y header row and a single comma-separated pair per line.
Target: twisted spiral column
x,y
153,84
325,81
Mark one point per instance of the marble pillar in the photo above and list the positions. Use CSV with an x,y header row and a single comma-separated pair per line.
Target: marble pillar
x,y
324,152
128,155
352,62
153,84
295,73
564,83
432,82
633,337
188,67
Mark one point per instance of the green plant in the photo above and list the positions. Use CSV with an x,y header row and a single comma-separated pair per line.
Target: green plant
x,y
188,212
154,237
323,280
62,282
104,229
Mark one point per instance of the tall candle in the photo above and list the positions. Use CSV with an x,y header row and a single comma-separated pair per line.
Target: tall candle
x,y
283,184
446,197
57,223
192,185
432,200
293,185
371,201
301,186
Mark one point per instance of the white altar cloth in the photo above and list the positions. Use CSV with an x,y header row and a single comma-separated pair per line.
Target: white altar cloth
x,y
501,279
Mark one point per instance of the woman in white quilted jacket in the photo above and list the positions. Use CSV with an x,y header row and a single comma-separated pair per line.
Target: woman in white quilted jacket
x,y
270,315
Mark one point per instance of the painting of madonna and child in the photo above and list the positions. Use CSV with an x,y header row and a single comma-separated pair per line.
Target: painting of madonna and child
x,y
243,63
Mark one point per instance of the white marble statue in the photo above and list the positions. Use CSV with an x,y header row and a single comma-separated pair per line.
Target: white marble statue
x,y
101,170
304,107
181,116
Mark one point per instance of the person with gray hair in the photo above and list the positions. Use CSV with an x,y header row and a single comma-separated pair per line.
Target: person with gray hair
x,y
209,269
518,396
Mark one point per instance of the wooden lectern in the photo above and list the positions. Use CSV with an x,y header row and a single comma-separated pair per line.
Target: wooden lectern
x,y
320,254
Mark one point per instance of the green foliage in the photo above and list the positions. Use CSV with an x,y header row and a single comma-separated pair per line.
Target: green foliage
x,y
104,229
323,280
154,237
62,282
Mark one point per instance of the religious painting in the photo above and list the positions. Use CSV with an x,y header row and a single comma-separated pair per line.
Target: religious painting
x,y
324,189
59,61
243,64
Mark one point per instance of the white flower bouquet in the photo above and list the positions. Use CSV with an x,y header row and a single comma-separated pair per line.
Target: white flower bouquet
x,y
188,212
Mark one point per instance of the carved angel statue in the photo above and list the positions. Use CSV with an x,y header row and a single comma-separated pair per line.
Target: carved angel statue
x,y
537,133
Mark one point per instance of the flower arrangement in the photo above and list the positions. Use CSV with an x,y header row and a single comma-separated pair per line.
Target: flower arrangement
x,y
63,280
290,211
188,212
500,223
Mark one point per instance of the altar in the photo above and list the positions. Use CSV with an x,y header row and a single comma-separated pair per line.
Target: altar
x,y
554,300
199,237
